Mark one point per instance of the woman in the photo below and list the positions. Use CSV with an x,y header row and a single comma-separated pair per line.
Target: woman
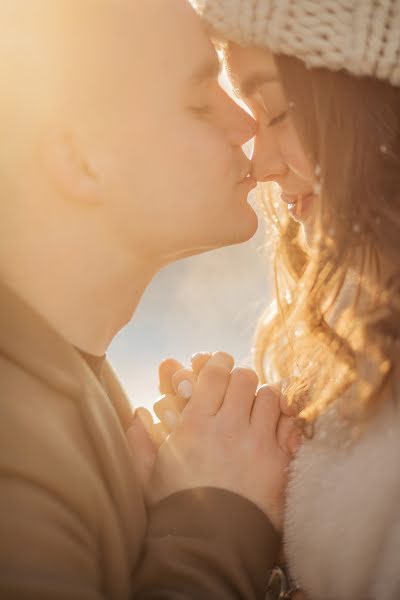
x,y
323,81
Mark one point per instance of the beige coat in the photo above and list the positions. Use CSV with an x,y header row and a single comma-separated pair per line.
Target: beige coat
x,y
73,522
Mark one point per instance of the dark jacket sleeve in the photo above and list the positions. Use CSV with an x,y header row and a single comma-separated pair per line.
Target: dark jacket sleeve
x,y
206,543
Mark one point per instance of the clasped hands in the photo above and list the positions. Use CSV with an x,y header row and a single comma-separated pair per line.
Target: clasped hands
x,y
217,429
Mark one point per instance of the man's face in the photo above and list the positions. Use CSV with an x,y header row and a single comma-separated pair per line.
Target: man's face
x,y
171,166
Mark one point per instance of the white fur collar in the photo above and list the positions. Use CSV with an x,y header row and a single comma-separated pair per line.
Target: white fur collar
x,y
342,523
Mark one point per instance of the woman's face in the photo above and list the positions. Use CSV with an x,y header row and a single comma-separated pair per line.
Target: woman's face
x,y
278,155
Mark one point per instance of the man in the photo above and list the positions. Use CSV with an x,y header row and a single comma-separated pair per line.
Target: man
x,y
120,153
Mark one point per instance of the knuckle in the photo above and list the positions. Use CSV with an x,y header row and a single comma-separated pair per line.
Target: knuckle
x,y
223,358
245,375
199,360
215,373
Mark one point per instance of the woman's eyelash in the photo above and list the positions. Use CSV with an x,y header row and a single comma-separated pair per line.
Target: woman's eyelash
x,y
278,119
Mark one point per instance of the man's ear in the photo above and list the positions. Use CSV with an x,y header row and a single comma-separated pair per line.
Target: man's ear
x,y
70,168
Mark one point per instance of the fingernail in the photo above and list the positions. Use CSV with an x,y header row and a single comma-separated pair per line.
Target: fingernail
x,y
185,389
170,418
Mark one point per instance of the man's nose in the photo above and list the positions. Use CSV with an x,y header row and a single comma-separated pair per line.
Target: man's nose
x,y
267,163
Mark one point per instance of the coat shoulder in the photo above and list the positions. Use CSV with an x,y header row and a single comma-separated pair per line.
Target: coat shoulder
x,y
42,436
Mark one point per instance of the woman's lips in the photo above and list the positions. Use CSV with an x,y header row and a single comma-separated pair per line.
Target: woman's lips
x,y
299,205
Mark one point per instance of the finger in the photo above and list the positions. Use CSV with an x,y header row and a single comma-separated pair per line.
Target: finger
x,y
145,417
166,370
183,383
199,360
142,448
209,391
240,394
159,434
266,411
286,426
168,409
152,430
294,441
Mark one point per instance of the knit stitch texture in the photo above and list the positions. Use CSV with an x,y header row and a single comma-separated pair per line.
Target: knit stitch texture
x,y
360,36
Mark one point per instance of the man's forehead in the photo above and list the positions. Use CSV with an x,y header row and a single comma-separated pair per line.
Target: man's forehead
x,y
210,68
156,38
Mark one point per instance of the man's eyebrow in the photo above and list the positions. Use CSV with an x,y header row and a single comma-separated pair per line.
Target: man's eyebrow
x,y
247,88
209,70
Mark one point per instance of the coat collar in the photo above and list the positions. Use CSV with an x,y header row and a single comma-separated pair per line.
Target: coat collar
x,y
28,340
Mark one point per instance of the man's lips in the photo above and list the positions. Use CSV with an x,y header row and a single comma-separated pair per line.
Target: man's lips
x,y
248,180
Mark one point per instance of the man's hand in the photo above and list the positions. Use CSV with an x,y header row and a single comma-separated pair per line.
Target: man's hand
x,y
144,438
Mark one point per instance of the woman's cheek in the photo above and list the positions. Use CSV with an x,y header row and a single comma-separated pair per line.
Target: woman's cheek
x,y
294,155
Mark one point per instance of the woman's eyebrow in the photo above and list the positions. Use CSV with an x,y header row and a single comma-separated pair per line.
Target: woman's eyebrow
x,y
247,87
210,69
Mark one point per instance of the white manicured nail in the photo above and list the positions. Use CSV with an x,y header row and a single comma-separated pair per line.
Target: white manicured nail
x,y
170,418
185,389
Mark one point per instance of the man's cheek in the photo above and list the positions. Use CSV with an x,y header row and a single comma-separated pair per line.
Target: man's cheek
x,y
216,164
207,146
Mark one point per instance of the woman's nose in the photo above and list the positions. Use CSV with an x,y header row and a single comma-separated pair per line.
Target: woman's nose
x,y
267,161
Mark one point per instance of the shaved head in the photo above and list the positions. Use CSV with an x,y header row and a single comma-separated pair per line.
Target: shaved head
x,y
67,59
47,44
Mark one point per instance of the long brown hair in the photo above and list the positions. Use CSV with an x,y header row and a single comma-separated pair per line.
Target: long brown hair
x,y
336,322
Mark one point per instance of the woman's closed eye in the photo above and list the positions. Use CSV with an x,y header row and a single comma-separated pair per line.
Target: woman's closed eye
x,y
278,119
260,103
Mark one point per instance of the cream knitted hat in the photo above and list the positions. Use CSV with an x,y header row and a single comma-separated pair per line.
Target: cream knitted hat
x,y
361,36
